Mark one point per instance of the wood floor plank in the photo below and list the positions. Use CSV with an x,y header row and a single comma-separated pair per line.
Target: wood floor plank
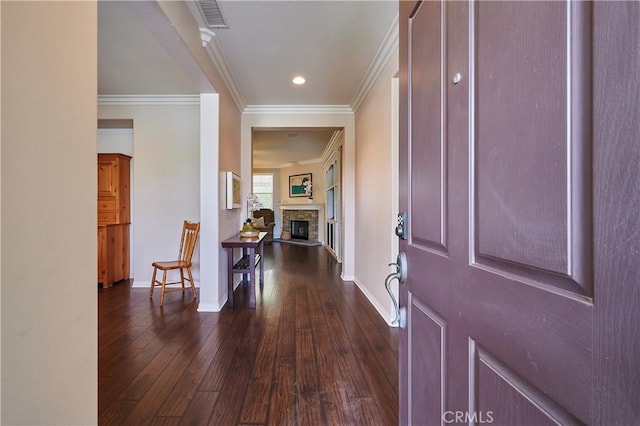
x,y
365,412
308,408
157,366
256,402
314,351
152,400
199,410
229,403
223,358
179,398
281,404
384,392
116,413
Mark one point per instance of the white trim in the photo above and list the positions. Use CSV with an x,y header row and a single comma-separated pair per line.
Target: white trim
x,y
336,141
386,316
206,35
209,307
131,100
211,185
310,161
344,277
297,109
221,64
385,52
294,206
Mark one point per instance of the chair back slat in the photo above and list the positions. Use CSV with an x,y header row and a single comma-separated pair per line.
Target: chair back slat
x,y
188,240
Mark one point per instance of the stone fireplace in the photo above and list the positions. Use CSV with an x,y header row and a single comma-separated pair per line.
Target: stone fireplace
x,y
312,214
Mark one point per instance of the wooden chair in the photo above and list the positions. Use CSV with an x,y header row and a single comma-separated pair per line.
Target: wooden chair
x,y
188,241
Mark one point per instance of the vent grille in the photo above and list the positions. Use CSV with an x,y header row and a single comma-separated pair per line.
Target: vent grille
x,y
211,12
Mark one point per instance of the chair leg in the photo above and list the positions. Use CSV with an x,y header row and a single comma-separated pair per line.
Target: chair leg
x,y
193,287
164,283
153,282
182,278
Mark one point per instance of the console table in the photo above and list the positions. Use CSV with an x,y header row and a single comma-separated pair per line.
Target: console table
x,y
246,265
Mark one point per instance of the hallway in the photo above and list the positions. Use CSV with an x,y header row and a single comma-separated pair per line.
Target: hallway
x,y
313,352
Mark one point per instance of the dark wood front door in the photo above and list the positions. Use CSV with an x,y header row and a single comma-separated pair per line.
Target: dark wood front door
x,y
520,173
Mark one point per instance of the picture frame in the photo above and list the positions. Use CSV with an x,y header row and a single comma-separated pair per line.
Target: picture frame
x,y
297,187
234,191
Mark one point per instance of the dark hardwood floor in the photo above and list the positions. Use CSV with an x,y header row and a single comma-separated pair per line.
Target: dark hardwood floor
x,y
313,352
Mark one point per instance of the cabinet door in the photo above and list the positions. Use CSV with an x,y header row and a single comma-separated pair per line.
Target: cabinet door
x,y
102,255
108,174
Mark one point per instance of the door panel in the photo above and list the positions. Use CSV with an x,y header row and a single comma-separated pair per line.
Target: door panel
x,y
505,398
427,339
504,291
519,128
531,143
427,94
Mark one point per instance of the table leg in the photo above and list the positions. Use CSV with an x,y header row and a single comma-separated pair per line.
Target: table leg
x,y
252,273
261,265
244,275
230,277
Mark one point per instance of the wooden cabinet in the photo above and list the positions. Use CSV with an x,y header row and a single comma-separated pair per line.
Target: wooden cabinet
x,y
113,253
114,195
114,217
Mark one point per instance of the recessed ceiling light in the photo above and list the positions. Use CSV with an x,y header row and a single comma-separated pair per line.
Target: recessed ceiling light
x,y
298,79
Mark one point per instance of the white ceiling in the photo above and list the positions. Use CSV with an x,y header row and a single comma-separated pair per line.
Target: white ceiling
x,y
334,44
279,148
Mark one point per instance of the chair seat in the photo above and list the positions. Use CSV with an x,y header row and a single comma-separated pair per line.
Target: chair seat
x,y
173,264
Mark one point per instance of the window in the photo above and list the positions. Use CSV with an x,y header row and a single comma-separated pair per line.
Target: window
x,y
263,189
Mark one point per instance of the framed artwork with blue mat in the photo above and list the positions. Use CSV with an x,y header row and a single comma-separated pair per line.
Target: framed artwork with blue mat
x,y
298,185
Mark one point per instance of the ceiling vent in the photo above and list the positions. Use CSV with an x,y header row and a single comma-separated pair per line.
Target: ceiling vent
x,y
211,13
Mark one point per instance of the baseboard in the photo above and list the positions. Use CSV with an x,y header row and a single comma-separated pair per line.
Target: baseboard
x,y
386,316
347,277
209,307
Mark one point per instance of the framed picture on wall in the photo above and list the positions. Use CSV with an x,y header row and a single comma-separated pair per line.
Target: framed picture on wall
x,y
298,185
234,191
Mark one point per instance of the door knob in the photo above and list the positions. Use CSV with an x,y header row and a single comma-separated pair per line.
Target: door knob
x,y
401,275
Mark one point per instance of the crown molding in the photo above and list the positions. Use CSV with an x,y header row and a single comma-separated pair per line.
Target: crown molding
x,y
297,109
131,100
386,50
310,161
206,35
210,44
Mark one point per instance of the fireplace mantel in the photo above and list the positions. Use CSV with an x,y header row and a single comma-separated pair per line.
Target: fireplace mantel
x,y
301,206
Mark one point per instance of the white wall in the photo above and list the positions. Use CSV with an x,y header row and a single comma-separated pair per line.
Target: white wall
x,y
49,300
376,192
165,179
317,178
229,221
